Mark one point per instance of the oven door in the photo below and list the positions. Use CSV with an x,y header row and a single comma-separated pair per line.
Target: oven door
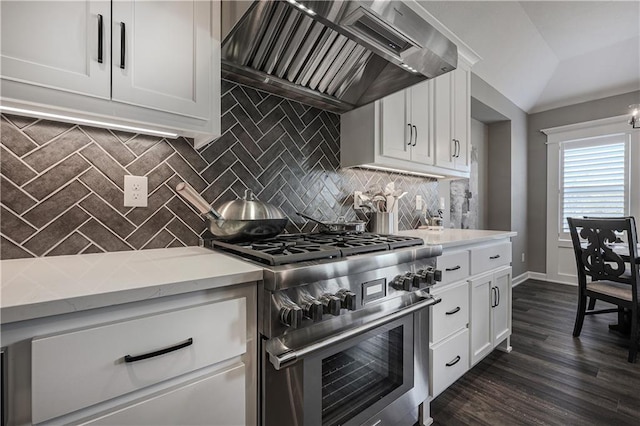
x,y
350,376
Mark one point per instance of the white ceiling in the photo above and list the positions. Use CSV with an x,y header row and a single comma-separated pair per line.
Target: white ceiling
x,y
547,54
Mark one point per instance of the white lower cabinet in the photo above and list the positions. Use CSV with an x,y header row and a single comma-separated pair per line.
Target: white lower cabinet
x,y
449,361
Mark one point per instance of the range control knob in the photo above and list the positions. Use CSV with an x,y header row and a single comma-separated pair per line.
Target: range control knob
x,y
347,299
313,310
429,275
291,315
403,282
331,303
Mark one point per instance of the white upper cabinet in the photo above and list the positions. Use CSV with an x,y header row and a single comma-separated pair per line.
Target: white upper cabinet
x,y
127,62
61,44
162,55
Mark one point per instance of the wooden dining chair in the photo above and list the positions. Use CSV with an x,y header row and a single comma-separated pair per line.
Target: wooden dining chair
x,y
612,268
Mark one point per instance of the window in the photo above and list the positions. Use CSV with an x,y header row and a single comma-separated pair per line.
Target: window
x,y
593,178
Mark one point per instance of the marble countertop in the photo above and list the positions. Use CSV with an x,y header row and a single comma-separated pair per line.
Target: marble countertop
x,y
457,237
44,286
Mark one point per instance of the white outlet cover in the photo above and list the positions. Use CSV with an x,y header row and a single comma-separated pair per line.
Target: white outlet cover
x,y
136,190
418,202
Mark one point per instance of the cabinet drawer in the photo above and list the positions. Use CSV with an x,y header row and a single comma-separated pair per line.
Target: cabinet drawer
x,y
454,266
452,313
489,257
449,360
80,368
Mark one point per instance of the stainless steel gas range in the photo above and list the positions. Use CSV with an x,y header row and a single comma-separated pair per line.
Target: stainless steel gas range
x,y
344,327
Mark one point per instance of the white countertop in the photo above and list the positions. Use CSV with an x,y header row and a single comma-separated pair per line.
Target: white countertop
x,y
457,237
44,286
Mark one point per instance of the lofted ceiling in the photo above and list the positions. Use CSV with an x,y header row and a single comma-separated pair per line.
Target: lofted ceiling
x,y
547,54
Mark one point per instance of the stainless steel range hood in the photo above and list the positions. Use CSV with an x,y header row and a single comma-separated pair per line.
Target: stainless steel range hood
x,y
336,55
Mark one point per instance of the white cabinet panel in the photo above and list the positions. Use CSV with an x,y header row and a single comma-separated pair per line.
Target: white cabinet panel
x,y
55,44
420,107
445,148
480,322
167,55
461,118
449,361
502,310
490,257
452,313
454,266
80,368
394,128
216,400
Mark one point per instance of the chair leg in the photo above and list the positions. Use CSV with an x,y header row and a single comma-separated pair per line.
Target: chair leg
x,y
633,343
582,305
592,303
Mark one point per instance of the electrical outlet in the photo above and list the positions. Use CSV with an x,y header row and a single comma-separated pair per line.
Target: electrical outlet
x,y
523,257
357,201
135,191
419,202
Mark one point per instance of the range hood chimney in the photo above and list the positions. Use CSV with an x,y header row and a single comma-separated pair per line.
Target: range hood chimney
x,y
335,55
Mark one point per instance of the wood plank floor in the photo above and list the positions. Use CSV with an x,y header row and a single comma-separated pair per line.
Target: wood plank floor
x,y
549,378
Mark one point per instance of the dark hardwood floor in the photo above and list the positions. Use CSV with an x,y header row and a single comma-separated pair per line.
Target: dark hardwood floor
x,y
549,378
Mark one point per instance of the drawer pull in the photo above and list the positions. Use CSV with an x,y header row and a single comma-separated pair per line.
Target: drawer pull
x,y
497,256
100,43
453,311
455,268
129,358
122,44
453,361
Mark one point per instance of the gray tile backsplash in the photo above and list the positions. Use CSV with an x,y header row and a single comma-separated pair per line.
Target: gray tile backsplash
x,y
62,184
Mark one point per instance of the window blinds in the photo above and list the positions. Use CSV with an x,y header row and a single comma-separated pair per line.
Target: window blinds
x,y
593,180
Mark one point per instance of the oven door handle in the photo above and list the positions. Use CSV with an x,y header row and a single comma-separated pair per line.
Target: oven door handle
x,y
286,358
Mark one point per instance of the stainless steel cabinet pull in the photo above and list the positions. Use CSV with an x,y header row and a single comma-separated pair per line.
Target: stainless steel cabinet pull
x,y
100,39
410,134
497,256
453,311
415,139
453,361
122,44
129,358
455,268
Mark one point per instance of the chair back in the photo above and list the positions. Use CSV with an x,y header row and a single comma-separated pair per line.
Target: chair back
x,y
601,253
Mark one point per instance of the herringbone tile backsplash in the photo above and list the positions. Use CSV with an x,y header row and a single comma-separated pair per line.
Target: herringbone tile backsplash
x,y
62,184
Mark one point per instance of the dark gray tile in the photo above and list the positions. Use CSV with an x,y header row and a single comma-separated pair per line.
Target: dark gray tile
x,y
311,129
187,215
150,159
247,104
159,176
246,141
107,216
92,248
310,115
20,121
227,121
14,227
246,176
103,237
271,136
219,166
183,233
272,188
253,94
269,103
274,151
246,159
220,185
161,240
44,130
56,177
186,173
142,143
176,243
271,120
74,244
56,150
155,201
51,235
226,86
244,120
220,145
292,115
13,139
9,250
151,227
298,107
103,162
123,136
57,203
111,144
186,151
227,102
14,169
271,172
13,197
106,189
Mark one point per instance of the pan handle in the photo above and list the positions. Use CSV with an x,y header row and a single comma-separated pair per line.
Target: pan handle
x,y
312,219
192,196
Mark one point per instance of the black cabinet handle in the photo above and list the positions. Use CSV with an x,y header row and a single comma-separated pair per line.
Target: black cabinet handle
x,y
494,297
415,139
498,293
497,256
100,39
129,358
453,311
122,44
455,268
453,361
410,134
457,148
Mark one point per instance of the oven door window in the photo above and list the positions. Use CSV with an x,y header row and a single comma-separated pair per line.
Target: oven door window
x,y
366,374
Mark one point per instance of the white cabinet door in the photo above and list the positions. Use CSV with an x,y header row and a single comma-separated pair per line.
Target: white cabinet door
x,y
461,117
56,44
162,55
480,323
394,131
420,109
501,311
217,400
444,145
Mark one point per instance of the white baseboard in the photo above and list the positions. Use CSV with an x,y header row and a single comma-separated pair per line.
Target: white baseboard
x,y
540,276
520,279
